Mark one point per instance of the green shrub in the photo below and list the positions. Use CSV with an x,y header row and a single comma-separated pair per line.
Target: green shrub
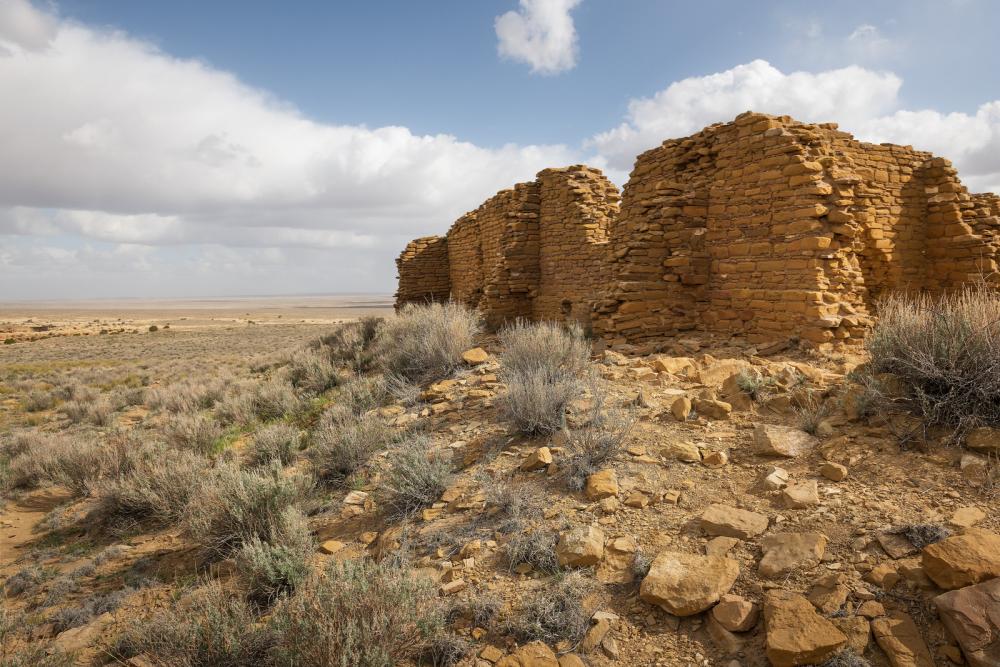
x,y
209,627
234,505
357,613
945,351
272,569
425,342
416,477
193,431
273,443
340,449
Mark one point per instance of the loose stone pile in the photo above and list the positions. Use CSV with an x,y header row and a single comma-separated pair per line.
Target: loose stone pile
x,y
764,228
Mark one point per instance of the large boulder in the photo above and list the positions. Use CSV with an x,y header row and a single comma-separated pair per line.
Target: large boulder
x,y
773,440
900,638
732,522
786,552
972,616
796,634
963,560
684,584
715,374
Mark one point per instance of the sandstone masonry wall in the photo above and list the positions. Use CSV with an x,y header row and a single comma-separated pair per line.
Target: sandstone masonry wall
x,y
536,250
763,228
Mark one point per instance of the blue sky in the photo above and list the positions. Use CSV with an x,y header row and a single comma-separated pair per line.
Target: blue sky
x,y
213,148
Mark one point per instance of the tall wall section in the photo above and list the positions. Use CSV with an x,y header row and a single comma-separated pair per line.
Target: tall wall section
x,y
536,251
768,228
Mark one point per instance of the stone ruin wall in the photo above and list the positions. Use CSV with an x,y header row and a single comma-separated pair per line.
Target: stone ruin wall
x,y
763,228
536,251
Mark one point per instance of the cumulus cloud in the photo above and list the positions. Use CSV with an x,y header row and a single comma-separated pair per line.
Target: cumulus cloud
x,y
110,139
851,94
860,100
541,34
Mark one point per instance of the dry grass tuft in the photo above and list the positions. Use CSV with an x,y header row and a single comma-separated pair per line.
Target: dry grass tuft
x,y
424,343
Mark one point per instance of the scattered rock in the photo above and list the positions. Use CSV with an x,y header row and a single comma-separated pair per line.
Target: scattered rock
x,y
712,408
800,495
673,365
475,356
580,547
773,440
776,479
452,587
724,640
736,613
732,522
684,584
715,459
857,629
883,575
895,544
785,552
900,638
637,499
720,546
966,517
972,616
681,408
536,654
984,439
796,634
538,459
331,546
833,471
602,484
829,593
963,560
681,451
871,609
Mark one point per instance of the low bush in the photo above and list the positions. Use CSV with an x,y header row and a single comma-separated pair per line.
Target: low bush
x,y
339,449
553,613
58,459
590,447
416,478
17,651
154,490
270,569
311,371
233,506
273,399
752,383
38,400
425,342
209,627
541,365
83,613
350,344
532,546
359,613
193,431
946,352
273,443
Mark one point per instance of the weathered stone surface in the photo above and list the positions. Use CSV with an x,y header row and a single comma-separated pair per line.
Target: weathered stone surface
x,y
772,440
732,522
736,613
684,584
538,459
963,560
681,451
829,593
785,552
966,517
800,495
720,546
984,439
681,408
475,356
796,634
580,547
857,629
536,654
602,484
776,479
972,616
712,408
901,640
833,471
668,260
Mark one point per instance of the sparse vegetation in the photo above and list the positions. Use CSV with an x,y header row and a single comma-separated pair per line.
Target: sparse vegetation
x,y
339,449
270,569
946,353
425,342
541,365
590,447
554,612
273,443
416,478
192,431
533,546
357,613
753,383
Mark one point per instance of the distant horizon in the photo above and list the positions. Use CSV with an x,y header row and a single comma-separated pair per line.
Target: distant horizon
x,y
213,297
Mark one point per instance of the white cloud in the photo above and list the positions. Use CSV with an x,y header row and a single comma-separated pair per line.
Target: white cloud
x,y
108,138
541,34
867,44
848,95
